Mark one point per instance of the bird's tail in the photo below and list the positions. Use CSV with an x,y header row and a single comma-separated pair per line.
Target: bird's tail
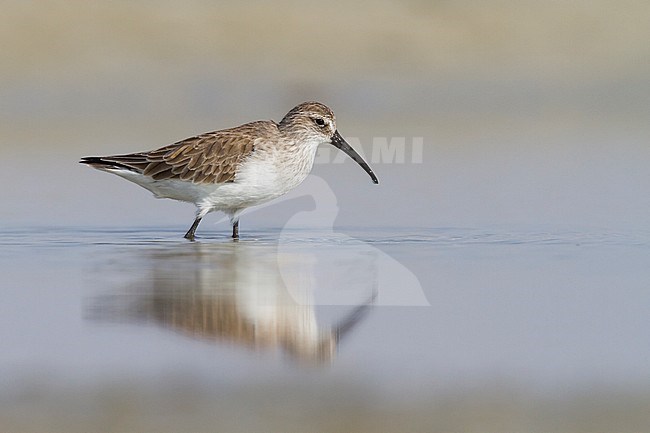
x,y
134,162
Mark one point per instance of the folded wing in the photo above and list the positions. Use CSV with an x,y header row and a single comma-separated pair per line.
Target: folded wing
x,y
212,157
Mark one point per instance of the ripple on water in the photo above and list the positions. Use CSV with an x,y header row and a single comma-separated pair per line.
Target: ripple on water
x,y
73,237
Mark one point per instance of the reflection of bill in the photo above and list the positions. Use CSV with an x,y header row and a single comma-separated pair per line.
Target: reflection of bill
x,y
345,268
231,293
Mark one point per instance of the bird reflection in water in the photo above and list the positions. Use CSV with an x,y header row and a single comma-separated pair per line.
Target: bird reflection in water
x,y
247,294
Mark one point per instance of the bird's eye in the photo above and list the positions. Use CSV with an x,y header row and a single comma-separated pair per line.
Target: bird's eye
x,y
319,121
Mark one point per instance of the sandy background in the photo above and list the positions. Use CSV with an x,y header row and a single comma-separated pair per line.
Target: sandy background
x,y
530,112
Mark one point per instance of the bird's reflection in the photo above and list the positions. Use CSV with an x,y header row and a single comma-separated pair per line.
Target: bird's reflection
x,y
247,294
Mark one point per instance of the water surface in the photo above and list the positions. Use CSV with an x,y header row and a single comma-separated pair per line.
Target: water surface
x,y
373,319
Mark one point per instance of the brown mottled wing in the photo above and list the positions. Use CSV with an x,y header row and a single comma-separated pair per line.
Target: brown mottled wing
x,y
212,157
207,158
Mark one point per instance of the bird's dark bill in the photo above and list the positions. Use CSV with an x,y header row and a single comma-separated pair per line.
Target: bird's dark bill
x,y
340,143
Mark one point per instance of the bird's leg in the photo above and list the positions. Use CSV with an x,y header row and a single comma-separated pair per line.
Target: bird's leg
x,y
235,230
190,233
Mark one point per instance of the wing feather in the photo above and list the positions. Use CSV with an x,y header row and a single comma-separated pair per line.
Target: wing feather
x,y
213,157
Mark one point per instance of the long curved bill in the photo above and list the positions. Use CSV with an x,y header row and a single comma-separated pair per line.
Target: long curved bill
x,y
340,143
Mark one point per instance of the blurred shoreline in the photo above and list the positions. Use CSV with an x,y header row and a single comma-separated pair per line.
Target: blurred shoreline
x,y
186,403
97,67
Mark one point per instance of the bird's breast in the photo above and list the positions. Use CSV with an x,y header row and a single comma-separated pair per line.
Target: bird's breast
x,y
280,168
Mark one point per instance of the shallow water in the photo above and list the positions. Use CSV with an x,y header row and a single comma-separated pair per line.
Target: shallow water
x,y
121,323
541,309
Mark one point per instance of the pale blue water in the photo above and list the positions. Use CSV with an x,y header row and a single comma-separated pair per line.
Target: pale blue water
x,y
547,310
